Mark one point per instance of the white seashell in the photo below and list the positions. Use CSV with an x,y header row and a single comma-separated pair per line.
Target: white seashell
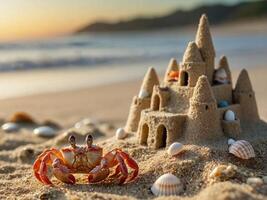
x,y
89,122
221,76
230,141
79,125
121,134
229,115
175,148
44,131
167,185
143,94
242,149
255,181
10,127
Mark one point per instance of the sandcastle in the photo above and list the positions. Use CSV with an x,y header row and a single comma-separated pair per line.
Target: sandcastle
x,y
188,108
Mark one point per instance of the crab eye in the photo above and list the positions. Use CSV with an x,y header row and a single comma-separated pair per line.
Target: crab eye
x,y
89,140
72,139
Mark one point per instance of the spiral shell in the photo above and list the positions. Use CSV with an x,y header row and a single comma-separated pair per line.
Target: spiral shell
x,y
167,185
242,149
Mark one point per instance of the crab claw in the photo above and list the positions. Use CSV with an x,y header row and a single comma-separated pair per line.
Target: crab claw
x,y
98,174
62,173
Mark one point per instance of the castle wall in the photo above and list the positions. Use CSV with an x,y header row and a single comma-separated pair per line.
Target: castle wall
x,y
137,106
159,98
223,92
232,129
160,129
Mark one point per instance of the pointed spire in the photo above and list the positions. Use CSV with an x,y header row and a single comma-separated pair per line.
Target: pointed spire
x,y
173,66
150,79
223,64
243,83
192,53
204,39
202,92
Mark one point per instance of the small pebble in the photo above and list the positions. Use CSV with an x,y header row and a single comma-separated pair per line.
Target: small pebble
x,y
175,148
255,181
229,115
10,127
44,131
230,141
223,104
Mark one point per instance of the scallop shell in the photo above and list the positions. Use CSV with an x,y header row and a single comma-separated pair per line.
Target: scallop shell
x,y
167,185
121,133
242,149
44,131
221,76
10,127
175,148
143,94
229,115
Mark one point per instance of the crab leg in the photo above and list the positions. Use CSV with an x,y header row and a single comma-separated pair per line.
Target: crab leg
x,y
98,174
132,164
123,169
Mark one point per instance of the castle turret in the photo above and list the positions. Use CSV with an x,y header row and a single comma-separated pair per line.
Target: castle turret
x,y
205,45
203,123
245,96
173,66
192,66
223,64
142,101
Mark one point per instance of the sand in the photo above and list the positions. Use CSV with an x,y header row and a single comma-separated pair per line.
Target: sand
x,y
18,150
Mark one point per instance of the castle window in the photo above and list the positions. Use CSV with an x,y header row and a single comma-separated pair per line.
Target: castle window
x,y
156,102
184,78
206,107
161,137
144,134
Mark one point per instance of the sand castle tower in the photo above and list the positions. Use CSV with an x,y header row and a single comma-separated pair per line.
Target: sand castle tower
x,y
142,101
192,105
223,64
192,66
203,121
205,45
245,96
173,66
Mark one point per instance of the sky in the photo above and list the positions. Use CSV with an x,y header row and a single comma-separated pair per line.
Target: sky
x,y
31,19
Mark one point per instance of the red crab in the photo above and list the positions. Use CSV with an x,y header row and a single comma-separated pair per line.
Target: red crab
x,y
85,159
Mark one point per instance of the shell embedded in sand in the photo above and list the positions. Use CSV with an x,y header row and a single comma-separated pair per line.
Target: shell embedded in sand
x,y
21,117
255,181
229,115
10,127
121,133
221,76
242,149
44,131
175,148
167,185
143,94
223,171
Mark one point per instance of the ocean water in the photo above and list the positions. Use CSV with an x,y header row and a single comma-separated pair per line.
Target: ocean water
x,y
125,49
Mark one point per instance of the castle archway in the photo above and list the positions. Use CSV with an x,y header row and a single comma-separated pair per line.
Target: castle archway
x,y
144,134
156,102
184,78
161,137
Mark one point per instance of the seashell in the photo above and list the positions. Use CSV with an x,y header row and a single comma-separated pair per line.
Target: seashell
x,y
44,131
230,141
223,171
242,149
223,104
255,181
229,115
89,122
221,76
21,117
175,148
10,127
167,185
217,171
143,94
121,134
